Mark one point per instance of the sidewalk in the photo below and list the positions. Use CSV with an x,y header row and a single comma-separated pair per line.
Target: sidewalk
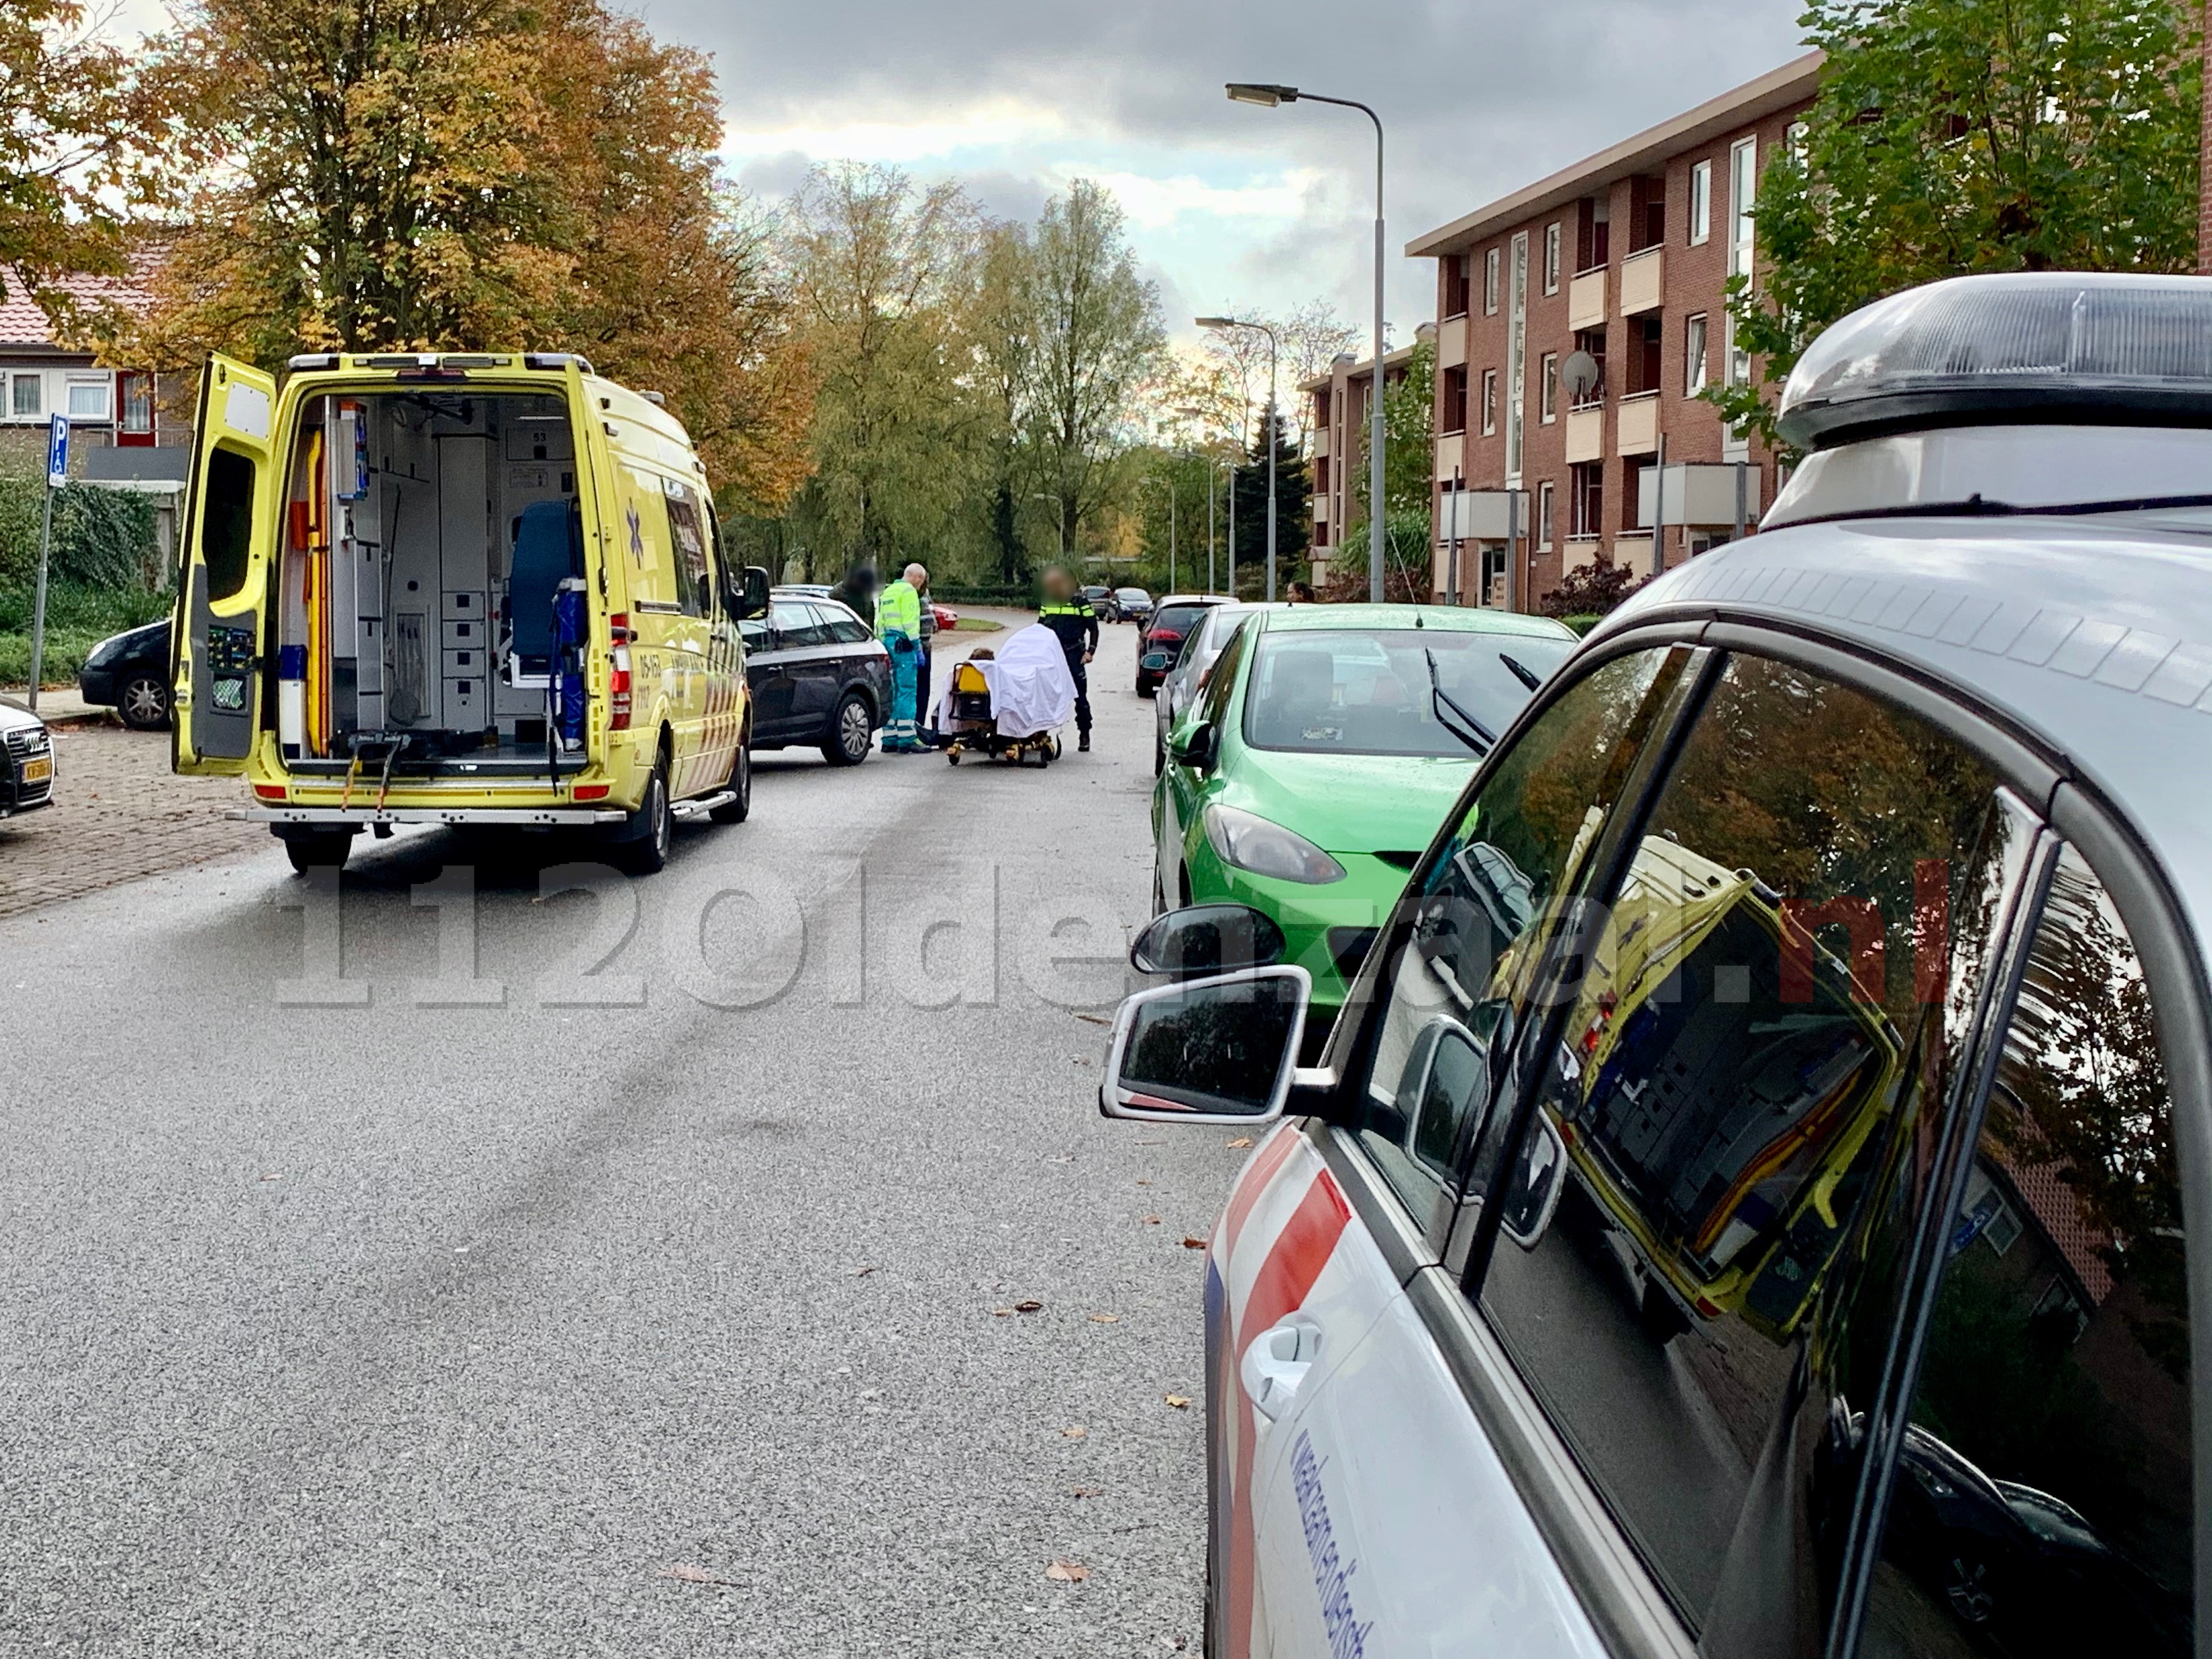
x,y
59,705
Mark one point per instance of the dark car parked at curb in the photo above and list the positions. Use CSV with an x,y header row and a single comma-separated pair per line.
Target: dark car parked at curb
x,y
818,675
1101,601
1131,604
26,760
1173,617
128,672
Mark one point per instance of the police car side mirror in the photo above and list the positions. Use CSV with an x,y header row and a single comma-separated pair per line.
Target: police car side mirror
x,y
1220,1050
750,598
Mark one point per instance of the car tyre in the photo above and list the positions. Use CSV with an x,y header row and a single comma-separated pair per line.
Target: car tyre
x,y
643,850
740,784
852,731
143,701
317,849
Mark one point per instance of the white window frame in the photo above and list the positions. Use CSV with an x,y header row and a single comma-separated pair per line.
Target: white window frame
x,y
1489,403
1696,344
1517,359
1546,509
1551,258
103,383
1490,283
1701,204
15,380
1547,397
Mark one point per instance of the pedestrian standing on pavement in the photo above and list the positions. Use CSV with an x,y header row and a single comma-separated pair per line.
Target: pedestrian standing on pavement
x,y
898,625
927,737
1076,624
857,592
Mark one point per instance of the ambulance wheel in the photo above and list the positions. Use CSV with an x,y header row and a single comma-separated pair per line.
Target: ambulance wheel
x,y
741,781
316,849
852,730
644,850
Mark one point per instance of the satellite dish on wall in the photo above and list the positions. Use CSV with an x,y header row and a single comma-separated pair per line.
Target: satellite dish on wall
x,y
1581,374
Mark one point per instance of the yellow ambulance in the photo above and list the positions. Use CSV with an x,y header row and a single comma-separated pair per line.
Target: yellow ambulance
x,y
481,588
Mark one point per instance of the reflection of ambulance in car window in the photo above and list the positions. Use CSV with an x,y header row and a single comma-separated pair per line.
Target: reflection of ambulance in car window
x,y
1710,1116
458,589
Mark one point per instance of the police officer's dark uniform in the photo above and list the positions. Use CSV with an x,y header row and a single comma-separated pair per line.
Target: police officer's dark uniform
x,y
1076,625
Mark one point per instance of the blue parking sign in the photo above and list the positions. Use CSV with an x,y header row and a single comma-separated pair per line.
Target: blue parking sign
x,y
57,452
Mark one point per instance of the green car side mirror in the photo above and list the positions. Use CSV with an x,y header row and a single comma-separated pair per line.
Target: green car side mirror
x,y
1194,746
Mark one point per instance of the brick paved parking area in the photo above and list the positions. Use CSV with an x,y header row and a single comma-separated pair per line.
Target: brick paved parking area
x,y
118,814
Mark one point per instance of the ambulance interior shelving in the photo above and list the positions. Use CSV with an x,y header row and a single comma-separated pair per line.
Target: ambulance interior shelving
x,y
426,536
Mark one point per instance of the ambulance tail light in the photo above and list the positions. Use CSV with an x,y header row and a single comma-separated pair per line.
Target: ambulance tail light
x,y
618,698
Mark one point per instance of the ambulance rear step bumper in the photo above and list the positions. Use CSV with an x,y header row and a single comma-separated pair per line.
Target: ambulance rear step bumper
x,y
543,818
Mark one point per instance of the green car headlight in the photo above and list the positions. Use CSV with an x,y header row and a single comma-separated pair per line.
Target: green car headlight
x,y
1266,849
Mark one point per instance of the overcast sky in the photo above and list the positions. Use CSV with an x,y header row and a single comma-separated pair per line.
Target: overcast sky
x,y
1230,207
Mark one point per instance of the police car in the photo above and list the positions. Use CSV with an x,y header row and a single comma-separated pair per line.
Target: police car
x,y
1747,1205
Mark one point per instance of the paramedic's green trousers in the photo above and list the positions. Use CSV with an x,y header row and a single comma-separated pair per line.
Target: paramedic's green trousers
x,y
899,731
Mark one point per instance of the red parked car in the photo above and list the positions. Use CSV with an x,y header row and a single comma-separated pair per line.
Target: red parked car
x,y
945,614
1171,619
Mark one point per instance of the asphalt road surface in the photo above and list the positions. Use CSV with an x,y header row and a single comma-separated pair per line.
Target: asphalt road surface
x,y
635,1288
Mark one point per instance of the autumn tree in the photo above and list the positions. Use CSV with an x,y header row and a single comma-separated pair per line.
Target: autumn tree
x,y
1958,136
881,270
1099,342
79,127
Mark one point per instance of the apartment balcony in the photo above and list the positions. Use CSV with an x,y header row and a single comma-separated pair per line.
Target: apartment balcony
x,y
1321,443
1637,433
1586,432
1642,280
1451,343
1586,300
1321,509
1450,450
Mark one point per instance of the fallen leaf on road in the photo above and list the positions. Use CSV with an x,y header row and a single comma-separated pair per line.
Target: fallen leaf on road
x,y
272,1177
1144,1181
1077,1433
1192,1243
1179,1402
1152,1221
1241,1140
1067,1158
863,1270
1002,1313
1105,1319
1028,1304
1086,1492
1066,1572
1095,1019
690,1575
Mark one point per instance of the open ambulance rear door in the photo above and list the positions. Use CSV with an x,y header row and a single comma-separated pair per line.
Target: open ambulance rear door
x,y
219,636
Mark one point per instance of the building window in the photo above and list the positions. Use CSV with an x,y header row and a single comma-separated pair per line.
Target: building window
x,y
1586,499
1544,505
1551,259
139,403
1694,355
89,400
1795,138
1454,409
1549,396
1321,473
1517,359
1456,284
27,395
1743,191
1489,402
1591,341
1701,204
1490,283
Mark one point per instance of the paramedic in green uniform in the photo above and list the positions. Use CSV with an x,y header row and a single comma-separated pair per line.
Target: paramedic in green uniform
x,y
898,624
1073,621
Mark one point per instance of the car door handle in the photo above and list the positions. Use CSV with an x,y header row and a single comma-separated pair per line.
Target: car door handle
x,y
1277,1363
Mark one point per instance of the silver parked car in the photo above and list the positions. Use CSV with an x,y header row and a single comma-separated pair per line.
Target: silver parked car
x,y
1757,1198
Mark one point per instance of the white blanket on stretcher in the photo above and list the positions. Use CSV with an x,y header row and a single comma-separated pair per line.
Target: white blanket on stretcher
x,y
1031,690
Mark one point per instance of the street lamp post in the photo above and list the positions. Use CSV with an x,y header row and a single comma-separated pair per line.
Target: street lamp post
x,y
1211,467
1274,353
1268,97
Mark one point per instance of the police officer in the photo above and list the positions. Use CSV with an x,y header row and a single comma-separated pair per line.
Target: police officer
x,y
1071,617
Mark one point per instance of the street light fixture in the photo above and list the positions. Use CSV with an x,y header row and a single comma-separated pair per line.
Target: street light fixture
x,y
1268,97
1274,352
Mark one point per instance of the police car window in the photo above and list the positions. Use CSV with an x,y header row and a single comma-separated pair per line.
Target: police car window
x,y
1455,977
845,627
1752,1046
2043,1496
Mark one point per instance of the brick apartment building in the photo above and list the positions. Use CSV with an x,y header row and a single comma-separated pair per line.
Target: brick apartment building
x,y
1581,316
1338,405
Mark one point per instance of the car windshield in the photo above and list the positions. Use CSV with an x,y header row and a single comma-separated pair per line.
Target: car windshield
x,y
1372,691
1132,593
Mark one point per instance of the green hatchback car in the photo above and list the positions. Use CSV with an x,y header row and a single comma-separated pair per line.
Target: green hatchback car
x,y
1309,774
